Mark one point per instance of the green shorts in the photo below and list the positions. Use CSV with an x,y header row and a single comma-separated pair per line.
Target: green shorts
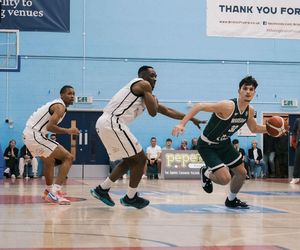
x,y
217,155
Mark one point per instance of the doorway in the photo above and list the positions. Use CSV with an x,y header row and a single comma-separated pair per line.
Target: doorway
x,y
292,119
90,156
279,167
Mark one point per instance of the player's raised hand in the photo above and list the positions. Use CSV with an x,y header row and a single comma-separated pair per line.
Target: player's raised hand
x,y
178,129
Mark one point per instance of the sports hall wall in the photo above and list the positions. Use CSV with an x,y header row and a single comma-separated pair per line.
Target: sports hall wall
x,y
110,39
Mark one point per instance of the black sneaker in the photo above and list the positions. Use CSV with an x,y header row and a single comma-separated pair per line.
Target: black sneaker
x,y
205,182
136,201
236,203
102,195
7,175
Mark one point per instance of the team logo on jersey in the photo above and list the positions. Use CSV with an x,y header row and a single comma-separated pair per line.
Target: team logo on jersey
x,y
238,120
222,138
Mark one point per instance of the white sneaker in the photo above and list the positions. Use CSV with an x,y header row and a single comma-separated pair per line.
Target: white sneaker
x,y
57,198
294,180
13,176
144,176
7,171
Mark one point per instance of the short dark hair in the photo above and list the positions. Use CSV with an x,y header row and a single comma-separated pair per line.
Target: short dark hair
x,y
248,80
235,141
144,68
153,138
64,88
12,140
169,139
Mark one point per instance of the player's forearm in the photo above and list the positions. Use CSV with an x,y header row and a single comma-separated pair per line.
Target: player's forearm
x,y
175,114
259,129
57,130
172,113
195,109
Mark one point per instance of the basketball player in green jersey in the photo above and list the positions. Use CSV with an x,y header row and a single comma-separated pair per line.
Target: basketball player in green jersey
x,y
215,146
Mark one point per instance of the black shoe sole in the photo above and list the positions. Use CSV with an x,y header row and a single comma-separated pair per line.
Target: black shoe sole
x,y
237,207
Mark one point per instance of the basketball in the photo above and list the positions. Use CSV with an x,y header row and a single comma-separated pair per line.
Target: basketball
x,y
275,126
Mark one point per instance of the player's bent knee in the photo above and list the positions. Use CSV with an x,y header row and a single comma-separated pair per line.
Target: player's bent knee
x,y
71,158
139,159
242,175
68,158
224,179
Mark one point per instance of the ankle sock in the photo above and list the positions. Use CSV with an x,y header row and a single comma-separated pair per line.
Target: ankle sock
x,y
131,192
231,196
56,187
107,183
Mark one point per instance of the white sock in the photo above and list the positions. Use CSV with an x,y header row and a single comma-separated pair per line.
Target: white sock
x,y
207,173
131,192
56,187
107,183
48,187
231,196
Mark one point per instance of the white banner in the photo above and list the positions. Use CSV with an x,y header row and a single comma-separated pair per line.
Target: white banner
x,y
180,164
254,18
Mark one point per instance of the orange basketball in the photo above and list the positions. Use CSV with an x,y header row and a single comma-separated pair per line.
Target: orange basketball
x,y
275,126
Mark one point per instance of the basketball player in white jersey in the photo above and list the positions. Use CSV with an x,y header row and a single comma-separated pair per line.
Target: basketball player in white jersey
x,y
120,143
40,123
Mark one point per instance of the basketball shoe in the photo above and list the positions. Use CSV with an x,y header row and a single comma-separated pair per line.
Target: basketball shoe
x,y
57,198
205,182
136,201
294,180
102,195
236,203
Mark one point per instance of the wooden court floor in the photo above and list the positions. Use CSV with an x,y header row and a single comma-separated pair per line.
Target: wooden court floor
x,y
180,216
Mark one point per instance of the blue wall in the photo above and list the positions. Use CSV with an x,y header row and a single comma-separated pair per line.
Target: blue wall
x,y
111,39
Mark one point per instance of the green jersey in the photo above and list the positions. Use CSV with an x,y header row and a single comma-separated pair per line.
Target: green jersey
x,y
219,130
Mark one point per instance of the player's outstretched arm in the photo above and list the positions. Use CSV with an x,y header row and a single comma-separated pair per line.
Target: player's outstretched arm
x,y
223,108
177,115
179,129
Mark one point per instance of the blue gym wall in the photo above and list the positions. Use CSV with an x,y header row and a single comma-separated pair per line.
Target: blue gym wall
x,y
110,39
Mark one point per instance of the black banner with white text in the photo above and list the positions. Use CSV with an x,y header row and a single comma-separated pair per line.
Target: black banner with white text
x,y
35,15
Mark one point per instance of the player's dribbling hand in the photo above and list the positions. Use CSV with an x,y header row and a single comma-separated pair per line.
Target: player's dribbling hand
x,y
179,129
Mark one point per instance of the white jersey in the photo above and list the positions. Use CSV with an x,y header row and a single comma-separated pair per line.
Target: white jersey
x,y
125,106
152,152
40,118
112,127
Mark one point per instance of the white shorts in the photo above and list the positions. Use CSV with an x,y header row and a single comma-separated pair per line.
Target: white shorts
x,y
118,140
38,144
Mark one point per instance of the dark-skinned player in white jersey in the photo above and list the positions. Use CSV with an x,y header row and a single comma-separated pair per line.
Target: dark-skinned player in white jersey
x,y
118,140
215,146
35,135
